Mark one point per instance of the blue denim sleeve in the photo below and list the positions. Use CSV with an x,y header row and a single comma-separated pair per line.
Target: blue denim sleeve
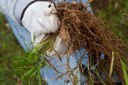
x,y
54,78
22,35
7,6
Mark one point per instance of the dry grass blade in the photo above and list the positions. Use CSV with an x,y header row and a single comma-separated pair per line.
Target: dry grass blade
x,y
60,76
112,64
51,65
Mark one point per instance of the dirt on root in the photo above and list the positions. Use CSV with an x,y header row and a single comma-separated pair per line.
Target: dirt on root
x,y
80,28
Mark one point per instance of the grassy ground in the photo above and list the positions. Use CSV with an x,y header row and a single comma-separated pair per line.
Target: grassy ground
x,y
115,15
9,49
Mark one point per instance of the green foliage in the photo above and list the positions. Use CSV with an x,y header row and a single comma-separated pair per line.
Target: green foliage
x,y
125,71
29,66
9,49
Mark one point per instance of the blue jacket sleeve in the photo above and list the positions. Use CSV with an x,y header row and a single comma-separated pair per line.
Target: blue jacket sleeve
x,y
7,6
14,8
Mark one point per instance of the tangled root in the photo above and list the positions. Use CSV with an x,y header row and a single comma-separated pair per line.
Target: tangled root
x,y
80,28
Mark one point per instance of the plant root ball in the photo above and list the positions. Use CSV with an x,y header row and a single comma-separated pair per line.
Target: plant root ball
x,y
80,28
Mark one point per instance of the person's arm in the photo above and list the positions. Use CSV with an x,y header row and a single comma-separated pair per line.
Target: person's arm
x,y
32,14
15,8
7,7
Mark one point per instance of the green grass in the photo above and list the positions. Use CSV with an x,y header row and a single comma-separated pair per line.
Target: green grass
x,y
9,48
29,66
125,71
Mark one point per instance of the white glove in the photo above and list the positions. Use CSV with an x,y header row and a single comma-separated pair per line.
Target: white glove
x,y
39,19
60,46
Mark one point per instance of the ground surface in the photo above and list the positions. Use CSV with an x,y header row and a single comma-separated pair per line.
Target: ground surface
x,y
9,49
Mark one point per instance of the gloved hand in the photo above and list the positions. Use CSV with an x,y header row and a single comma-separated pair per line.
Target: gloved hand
x,y
39,19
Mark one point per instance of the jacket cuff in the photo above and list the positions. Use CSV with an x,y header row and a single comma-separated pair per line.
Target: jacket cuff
x,y
20,8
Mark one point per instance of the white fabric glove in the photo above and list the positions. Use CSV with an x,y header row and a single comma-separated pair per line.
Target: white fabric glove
x,y
39,19
60,46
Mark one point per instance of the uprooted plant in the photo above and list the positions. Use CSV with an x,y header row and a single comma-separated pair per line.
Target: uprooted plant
x,y
80,28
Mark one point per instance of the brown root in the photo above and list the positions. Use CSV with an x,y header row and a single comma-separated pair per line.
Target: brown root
x,y
80,28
